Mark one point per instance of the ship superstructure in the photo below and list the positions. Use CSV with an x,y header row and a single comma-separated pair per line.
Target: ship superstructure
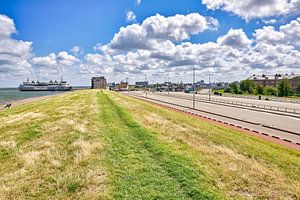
x,y
44,86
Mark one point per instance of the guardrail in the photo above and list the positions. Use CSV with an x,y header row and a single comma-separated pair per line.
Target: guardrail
x,y
237,103
271,98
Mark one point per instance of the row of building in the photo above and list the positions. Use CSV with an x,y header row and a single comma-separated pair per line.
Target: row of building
x,y
273,80
101,83
264,80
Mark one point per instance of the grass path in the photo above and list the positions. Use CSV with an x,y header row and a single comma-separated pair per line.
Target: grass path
x,y
243,167
143,168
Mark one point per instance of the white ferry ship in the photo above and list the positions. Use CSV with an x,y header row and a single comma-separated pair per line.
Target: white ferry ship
x,y
44,86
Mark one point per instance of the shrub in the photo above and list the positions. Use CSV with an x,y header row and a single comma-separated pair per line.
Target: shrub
x,y
271,91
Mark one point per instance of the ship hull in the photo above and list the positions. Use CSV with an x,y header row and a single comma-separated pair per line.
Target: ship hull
x,y
24,89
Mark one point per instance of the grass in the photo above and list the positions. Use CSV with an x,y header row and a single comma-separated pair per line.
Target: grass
x,y
242,166
30,134
104,145
72,187
139,163
53,148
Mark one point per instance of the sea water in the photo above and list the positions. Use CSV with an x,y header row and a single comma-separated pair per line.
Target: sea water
x,y
8,95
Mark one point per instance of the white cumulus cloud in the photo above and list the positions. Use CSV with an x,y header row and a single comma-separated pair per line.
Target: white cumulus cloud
x,y
53,65
249,9
287,34
160,52
235,38
160,47
7,27
292,32
159,28
14,54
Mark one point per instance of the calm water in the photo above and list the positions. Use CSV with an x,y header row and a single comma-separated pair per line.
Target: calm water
x,y
11,94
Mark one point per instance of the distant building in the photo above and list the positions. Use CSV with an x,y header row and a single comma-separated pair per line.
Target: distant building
x,y
273,80
123,86
141,84
98,83
111,86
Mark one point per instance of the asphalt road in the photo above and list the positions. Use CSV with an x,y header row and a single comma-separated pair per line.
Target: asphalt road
x,y
282,126
260,103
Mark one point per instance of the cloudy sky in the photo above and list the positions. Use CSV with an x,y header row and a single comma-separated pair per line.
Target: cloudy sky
x,y
163,39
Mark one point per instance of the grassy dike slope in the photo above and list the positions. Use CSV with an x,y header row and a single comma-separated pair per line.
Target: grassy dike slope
x,y
104,145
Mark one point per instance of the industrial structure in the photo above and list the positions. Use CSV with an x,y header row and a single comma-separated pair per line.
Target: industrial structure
x,y
98,83
273,80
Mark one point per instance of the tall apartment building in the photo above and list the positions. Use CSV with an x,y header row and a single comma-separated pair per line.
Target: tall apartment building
x,y
98,83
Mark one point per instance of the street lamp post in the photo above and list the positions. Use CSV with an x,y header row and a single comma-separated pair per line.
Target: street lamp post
x,y
209,87
276,84
194,88
146,85
168,85
128,84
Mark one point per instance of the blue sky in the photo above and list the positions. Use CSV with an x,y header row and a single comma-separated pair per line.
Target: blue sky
x,y
54,27
59,25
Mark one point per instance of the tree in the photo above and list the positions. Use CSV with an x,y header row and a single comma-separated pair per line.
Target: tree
x,y
253,91
260,89
227,90
284,87
271,91
234,87
298,89
248,86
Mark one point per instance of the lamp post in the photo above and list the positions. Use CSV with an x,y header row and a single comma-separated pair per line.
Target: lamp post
x,y
276,84
194,88
146,85
127,80
209,87
168,85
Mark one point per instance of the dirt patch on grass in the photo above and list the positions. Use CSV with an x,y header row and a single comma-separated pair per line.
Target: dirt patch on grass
x,y
65,124
85,149
8,144
20,118
153,119
96,185
30,158
80,128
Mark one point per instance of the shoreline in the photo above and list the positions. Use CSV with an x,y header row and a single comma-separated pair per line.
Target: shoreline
x,y
15,103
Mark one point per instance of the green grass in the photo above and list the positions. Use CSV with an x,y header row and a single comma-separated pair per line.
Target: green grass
x,y
103,145
5,154
30,134
73,186
142,167
242,165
